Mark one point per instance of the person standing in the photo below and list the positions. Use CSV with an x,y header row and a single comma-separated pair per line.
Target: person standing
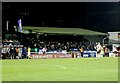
x,y
28,55
24,52
44,50
102,53
98,48
81,51
106,52
12,53
114,50
17,51
3,53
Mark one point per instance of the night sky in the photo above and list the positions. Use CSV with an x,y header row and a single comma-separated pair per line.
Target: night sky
x,y
97,16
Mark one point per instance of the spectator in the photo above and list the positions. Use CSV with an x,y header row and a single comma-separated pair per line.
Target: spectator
x,y
106,51
3,53
81,51
16,52
24,52
12,53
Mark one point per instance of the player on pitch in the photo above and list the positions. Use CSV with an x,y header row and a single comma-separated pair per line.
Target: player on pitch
x,y
28,55
98,48
44,52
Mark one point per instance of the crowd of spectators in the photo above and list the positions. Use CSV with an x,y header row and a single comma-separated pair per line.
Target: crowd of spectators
x,y
51,45
9,40
42,42
33,42
55,45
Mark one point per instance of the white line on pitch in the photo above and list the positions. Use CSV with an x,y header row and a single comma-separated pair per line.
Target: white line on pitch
x,y
56,66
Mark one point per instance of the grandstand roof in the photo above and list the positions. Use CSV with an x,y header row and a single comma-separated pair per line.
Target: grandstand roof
x,y
57,30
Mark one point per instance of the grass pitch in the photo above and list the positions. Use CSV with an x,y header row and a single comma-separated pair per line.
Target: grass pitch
x,y
62,69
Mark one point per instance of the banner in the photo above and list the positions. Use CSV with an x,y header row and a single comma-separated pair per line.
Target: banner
x,y
20,25
90,53
7,25
51,55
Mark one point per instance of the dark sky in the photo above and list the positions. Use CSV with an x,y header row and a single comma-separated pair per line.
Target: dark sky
x,y
98,16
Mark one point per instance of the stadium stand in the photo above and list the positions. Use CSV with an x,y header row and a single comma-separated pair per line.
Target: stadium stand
x,y
68,41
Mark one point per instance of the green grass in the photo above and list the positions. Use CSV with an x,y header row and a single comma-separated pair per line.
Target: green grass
x,y
64,69
0,71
